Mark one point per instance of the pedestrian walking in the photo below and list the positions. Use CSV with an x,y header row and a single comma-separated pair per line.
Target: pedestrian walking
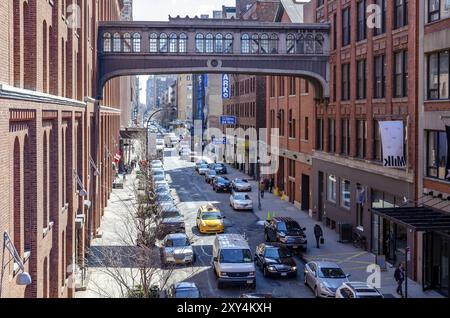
x,y
318,233
262,189
399,276
271,185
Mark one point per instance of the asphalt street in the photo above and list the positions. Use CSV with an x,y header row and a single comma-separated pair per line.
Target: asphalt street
x,y
190,192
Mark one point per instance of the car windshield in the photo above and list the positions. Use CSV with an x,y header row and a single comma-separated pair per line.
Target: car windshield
x,y
239,196
241,181
177,242
288,226
331,272
203,166
236,256
187,293
208,216
277,253
170,214
222,180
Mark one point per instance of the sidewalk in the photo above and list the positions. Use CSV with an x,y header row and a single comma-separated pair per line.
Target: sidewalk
x,y
352,260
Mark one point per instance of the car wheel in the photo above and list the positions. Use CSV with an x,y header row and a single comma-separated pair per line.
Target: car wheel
x,y
265,272
316,292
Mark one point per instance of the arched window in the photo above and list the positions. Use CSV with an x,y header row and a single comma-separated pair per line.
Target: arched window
x,y
136,42
173,43
273,44
219,43
209,43
153,43
117,47
182,43
245,44
163,43
199,43
228,44
309,44
107,42
17,193
300,49
255,44
265,44
290,44
319,44
127,42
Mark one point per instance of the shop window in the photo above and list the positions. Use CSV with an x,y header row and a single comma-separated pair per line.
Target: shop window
x,y
436,154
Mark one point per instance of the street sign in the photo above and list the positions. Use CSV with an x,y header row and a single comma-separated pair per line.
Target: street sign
x,y
228,120
218,141
226,86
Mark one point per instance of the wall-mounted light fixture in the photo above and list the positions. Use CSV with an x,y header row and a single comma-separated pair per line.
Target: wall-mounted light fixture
x,y
82,192
24,278
94,166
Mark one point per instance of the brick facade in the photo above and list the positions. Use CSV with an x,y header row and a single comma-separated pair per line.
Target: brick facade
x,y
46,138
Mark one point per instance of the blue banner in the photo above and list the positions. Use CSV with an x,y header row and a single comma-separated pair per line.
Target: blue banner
x,y
228,120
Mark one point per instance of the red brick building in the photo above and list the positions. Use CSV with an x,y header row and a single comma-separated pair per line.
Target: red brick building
x,y
373,75
290,109
50,127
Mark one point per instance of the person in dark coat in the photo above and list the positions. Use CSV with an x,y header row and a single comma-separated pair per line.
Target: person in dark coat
x,y
399,276
318,233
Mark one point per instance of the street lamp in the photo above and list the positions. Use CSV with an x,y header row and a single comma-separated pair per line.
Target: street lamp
x,y
174,109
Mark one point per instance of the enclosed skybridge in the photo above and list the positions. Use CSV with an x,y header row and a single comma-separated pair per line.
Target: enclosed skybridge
x,y
192,45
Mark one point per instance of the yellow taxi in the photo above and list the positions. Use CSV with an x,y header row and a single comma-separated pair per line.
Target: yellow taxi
x,y
210,220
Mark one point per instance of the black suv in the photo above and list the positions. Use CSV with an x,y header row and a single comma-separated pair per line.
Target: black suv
x,y
221,184
287,232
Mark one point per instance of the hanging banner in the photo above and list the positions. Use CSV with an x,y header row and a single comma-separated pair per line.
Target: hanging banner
x,y
225,86
392,137
447,175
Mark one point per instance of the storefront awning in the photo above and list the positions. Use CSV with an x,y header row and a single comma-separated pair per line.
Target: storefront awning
x,y
424,219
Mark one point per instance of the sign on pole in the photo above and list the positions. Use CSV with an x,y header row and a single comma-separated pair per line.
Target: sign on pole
x,y
228,120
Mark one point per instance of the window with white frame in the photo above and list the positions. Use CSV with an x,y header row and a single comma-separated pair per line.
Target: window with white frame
x,y
331,188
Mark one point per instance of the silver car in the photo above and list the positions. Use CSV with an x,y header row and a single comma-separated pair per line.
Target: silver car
x,y
177,249
241,185
324,278
203,169
241,201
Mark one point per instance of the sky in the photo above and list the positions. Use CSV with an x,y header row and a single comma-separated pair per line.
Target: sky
x,y
159,10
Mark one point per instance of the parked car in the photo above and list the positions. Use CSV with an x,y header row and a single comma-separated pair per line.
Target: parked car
x,y
324,278
157,162
275,260
159,179
164,198
210,220
176,249
162,189
203,169
172,221
233,261
241,185
199,163
221,184
210,175
286,231
357,290
241,201
183,290
160,144
158,172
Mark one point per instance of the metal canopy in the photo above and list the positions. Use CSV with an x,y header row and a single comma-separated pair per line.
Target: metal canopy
x,y
417,218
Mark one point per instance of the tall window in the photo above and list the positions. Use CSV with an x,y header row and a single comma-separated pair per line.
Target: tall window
x,y
182,43
153,43
292,124
377,155
345,137
265,44
361,80
200,43
281,121
361,138
306,128
401,74
400,13
319,134
281,86
136,42
255,44
228,44
107,42
334,82
127,42
245,44
290,44
331,188
117,45
173,41
345,194
209,43
163,43
346,28
273,44
437,154
380,77
381,18
362,34
438,75
292,86
334,31
433,10
219,43
272,86
331,135
345,81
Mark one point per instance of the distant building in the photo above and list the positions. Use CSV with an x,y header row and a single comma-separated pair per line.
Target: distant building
x,y
184,92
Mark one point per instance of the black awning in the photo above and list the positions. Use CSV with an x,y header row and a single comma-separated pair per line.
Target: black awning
x,y
423,219
133,133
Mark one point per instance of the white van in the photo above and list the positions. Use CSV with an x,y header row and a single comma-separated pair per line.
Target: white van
x,y
233,261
